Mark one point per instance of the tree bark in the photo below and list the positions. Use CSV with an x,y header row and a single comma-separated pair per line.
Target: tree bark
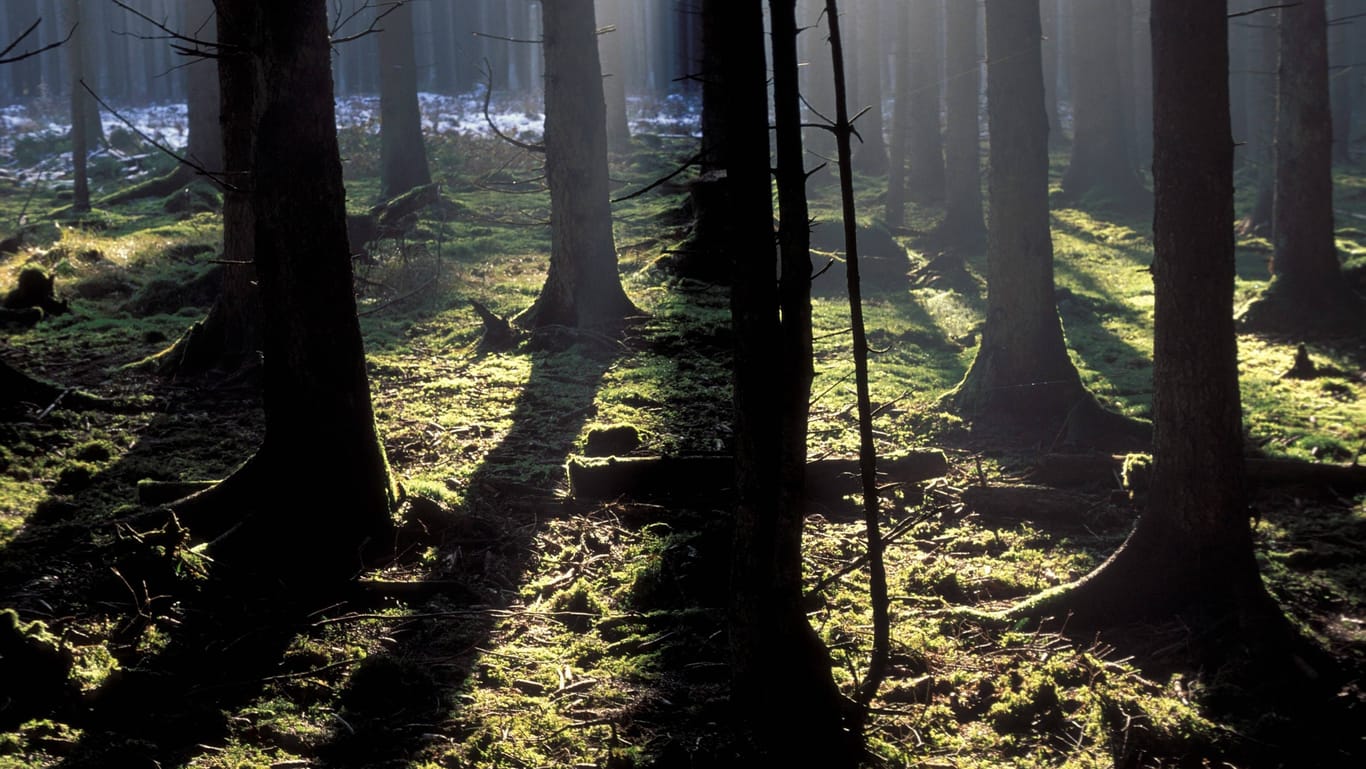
x,y
713,86
1022,367
1341,72
403,156
206,132
1191,551
1100,166
1306,293
582,289
925,143
963,224
781,671
319,421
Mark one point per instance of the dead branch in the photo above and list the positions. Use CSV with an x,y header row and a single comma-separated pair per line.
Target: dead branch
x,y
5,58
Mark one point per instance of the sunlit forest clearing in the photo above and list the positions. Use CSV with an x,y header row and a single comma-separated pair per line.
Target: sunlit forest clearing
x,y
544,606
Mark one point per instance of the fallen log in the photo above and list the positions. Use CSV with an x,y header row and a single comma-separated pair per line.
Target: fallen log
x,y
603,478
1075,470
1041,504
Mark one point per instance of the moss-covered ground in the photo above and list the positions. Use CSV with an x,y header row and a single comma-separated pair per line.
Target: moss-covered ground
x,y
523,628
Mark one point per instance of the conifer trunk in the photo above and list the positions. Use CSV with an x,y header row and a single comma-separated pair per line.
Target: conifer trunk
x,y
403,155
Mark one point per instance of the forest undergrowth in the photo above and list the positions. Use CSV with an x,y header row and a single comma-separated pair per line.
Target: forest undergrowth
x,y
523,627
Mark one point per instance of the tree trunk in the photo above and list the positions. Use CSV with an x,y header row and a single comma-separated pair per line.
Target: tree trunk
x,y
1307,293
1022,367
1048,10
925,147
1100,166
1341,73
319,421
782,690
963,224
582,289
206,132
1192,547
1262,119
613,76
403,156
713,86
80,101
894,211
871,158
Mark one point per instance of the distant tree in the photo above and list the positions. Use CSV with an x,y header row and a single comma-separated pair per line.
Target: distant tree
x,y
1343,69
713,85
1022,366
782,688
1100,165
1307,293
1049,12
316,495
871,156
582,288
1191,551
963,224
403,155
894,204
80,100
613,75
925,142
1261,115
205,128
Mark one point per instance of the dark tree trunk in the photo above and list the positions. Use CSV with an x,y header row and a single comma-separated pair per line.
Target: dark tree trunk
x,y
1048,10
1192,547
871,157
1022,367
1100,166
80,104
319,421
1262,120
894,211
1143,86
783,694
582,288
403,156
1307,293
1124,67
206,133
228,341
925,143
963,224
613,77
713,85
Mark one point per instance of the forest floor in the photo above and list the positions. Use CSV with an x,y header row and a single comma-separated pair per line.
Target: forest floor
x,y
524,627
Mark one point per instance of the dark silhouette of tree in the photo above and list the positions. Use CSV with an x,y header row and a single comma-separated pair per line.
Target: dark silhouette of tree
x,y
613,76
316,495
789,707
1307,293
1048,10
1342,68
1022,365
582,288
1100,165
925,142
403,155
1191,550
963,224
871,156
80,103
205,129
713,86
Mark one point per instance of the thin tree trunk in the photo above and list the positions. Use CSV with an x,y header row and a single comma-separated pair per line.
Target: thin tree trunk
x,y
206,132
403,155
1262,109
871,157
713,86
1049,16
80,132
1341,73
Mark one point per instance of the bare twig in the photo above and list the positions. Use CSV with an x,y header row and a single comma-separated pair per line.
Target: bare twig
x,y
5,58
1263,9
488,96
689,163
